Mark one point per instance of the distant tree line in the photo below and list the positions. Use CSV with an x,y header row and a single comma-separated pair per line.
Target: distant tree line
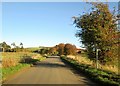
x,y
4,47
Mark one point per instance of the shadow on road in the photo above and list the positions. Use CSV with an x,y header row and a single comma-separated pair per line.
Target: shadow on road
x,y
78,73
53,71
54,62
52,65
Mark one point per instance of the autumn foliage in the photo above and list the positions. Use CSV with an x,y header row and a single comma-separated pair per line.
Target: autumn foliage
x,y
98,30
63,49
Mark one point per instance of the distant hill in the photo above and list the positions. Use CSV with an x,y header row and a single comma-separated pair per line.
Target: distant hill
x,y
32,48
36,48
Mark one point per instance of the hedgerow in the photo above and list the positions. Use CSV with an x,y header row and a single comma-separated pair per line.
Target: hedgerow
x,y
99,76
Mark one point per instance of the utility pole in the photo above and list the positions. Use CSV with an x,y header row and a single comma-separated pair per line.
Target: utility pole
x,y
96,52
97,58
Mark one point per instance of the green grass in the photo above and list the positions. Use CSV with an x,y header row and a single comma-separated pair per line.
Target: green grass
x,y
11,70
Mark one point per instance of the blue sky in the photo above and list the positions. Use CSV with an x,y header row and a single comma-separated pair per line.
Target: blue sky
x,y
41,24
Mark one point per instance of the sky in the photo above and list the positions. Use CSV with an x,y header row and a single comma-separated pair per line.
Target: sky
x,y
41,23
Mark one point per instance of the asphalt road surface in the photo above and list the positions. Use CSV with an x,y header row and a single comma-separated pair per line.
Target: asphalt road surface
x,y
50,71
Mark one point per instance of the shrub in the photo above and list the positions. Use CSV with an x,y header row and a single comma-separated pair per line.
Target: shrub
x,y
27,59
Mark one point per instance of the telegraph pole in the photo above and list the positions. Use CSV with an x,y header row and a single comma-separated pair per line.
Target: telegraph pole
x,y
97,58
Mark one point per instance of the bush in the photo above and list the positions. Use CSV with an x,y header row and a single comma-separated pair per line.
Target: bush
x,y
26,59
29,60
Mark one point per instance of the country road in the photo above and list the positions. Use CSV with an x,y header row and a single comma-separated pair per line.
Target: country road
x,y
50,71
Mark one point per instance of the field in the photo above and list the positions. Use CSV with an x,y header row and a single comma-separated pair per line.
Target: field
x,y
32,48
17,55
13,62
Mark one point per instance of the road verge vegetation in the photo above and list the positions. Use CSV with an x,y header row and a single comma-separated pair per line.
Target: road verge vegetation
x,y
14,62
99,76
6,72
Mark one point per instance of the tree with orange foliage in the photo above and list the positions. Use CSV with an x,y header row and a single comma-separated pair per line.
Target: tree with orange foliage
x,y
61,49
70,49
98,30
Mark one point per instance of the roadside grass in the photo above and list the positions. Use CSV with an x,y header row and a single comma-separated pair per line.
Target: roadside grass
x,y
13,62
102,77
113,67
13,69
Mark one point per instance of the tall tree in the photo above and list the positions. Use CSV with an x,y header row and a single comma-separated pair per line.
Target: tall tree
x,y
97,29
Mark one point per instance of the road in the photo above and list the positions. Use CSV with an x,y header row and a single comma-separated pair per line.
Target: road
x,y
50,71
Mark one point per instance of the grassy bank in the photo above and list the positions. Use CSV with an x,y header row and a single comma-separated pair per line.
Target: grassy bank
x,y
99,76
11,70
13,62
112,66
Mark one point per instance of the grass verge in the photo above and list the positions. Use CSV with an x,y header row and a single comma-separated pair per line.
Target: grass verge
x,y
11,65
99,76
11,70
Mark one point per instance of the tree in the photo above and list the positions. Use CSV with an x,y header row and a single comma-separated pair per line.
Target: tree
x,y
5,47
69,49
43,51
98,29
13,44
21,45
17,48
53,51
61,49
